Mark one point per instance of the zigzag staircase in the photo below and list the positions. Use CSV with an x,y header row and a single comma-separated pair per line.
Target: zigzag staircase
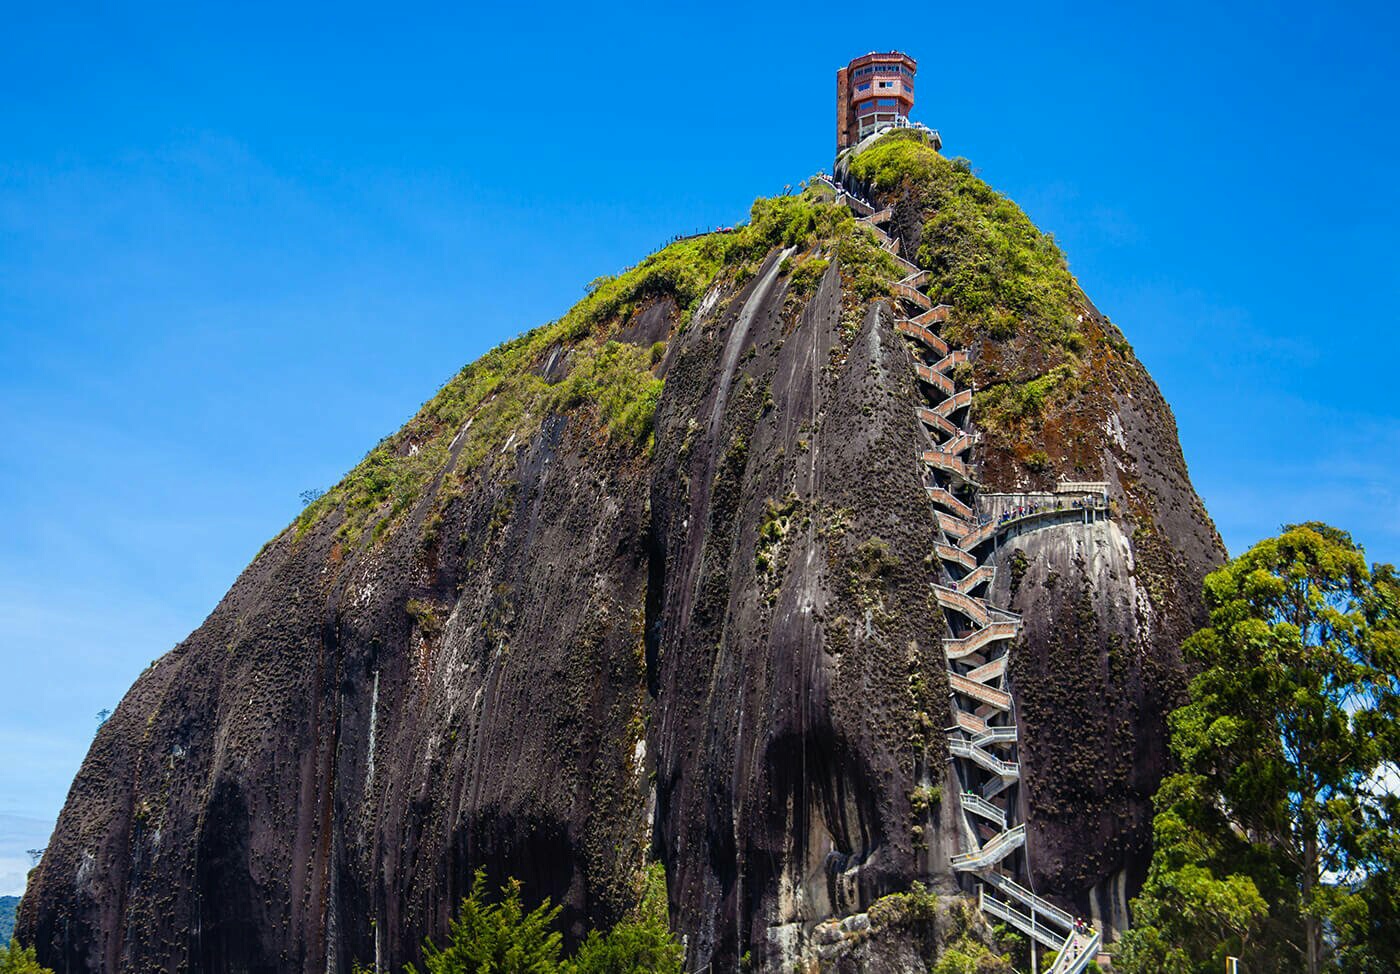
x,y
983,737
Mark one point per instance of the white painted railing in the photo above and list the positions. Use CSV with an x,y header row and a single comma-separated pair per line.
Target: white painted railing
x,y
994,851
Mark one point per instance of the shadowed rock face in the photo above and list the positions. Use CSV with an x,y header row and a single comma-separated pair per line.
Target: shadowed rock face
x,y
569,655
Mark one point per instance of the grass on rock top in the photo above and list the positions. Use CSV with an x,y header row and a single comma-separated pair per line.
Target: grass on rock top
x,y
612,383
1008,284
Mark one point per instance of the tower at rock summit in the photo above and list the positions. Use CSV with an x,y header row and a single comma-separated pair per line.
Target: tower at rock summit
x,y
845,553
875,92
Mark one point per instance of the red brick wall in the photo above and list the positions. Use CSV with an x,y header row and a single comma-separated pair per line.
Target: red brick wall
x,y
843,108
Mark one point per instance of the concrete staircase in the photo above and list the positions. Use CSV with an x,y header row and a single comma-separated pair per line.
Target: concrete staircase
x,y
983,738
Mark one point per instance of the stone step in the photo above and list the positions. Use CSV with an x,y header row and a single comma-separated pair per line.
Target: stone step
x,y
912,295
946,463
981,575
984,759
954,402
954,555
987,672
936,315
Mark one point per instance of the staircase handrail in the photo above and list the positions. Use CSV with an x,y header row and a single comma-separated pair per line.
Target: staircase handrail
x,y
1075,956
997,848
964,749
1019,920
1014,889
980,806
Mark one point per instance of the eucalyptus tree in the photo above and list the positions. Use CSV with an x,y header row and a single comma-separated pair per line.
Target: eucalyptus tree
x,y
1276,839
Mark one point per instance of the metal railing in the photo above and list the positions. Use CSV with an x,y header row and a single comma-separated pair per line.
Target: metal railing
x,y
965,749
994,851
1027,924
978,805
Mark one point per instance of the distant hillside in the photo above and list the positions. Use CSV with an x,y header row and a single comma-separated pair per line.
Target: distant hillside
x,y
9,906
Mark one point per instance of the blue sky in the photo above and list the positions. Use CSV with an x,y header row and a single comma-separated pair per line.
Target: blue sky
x,y
238,245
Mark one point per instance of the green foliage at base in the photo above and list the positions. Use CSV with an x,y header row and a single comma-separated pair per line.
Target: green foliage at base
x,y
1276,841
499,936
15,959
969,956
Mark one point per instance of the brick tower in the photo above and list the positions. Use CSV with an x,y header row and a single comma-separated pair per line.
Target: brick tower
x,y
874,92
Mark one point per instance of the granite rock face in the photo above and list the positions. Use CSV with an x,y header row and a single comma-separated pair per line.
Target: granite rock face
x,y
564,657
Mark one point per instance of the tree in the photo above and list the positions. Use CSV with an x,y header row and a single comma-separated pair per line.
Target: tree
x,y
501,938
631,947
1275,841
15,959
497,937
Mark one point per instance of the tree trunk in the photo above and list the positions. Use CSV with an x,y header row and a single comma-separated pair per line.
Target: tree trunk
x,y
1312,928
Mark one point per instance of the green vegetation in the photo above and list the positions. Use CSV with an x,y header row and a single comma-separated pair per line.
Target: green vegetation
x,y
970,956
503,397
987,259
500,937
1007,281
808,275
15,959
868,267
777,521
918,906
1277,839
9,909
925,797
425,616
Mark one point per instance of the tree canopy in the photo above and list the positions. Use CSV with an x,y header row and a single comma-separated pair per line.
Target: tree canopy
x,y
1276,840
499,936
15,959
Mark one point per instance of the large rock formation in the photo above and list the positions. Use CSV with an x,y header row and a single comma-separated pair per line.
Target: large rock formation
x,y
653,581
